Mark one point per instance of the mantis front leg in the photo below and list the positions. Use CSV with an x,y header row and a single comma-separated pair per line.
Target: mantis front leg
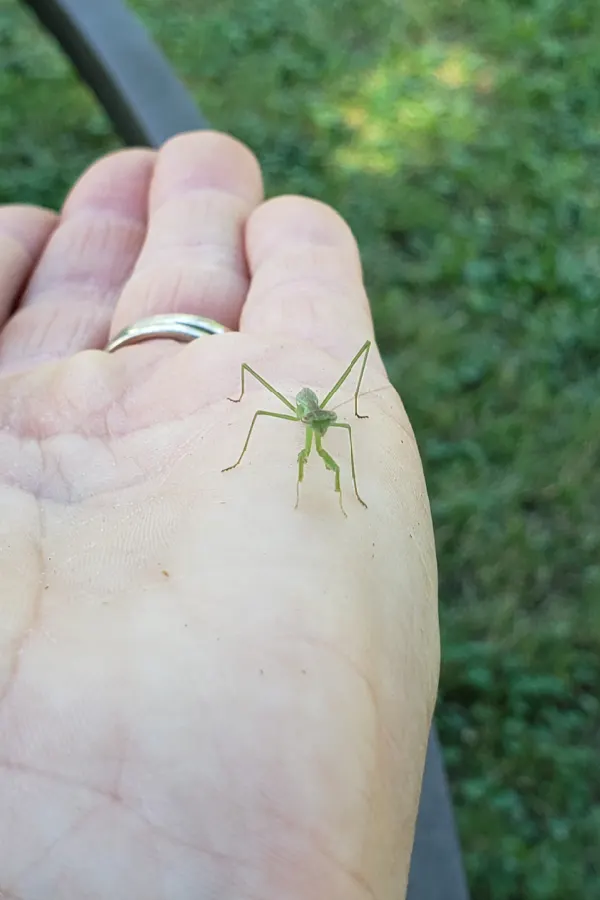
x,y
330,464
302,458
260,412
345,425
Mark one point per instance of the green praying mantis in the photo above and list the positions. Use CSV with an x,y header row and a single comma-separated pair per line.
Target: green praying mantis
x,y
317,420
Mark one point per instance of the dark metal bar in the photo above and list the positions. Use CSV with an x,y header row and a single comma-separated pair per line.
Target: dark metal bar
x,y
116,57
436,869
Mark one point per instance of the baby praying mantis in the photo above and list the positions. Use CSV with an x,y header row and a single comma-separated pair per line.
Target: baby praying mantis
x,y
315,418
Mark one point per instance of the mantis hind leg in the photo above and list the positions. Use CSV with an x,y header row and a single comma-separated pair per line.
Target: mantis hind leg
x,y
261,380
330,464
364,351
302,458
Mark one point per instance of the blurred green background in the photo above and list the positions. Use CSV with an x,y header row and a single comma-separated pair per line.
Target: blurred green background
x,y
461,139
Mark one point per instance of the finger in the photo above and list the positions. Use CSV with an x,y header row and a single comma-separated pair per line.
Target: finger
x,y
205,186
70,298
306,275
24,231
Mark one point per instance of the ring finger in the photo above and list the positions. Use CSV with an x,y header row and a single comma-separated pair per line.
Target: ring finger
x,y
193,261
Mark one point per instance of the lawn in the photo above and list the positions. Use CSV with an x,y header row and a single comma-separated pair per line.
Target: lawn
x,y
461,139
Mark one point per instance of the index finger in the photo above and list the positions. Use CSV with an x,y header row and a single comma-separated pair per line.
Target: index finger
x,y
306,276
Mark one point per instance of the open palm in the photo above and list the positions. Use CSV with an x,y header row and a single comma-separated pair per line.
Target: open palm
x,y
203,691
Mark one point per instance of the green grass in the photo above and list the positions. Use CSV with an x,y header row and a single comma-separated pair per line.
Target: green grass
x,y
461,141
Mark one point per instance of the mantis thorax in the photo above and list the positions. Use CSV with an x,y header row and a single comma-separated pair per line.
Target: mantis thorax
x,y
306,402
310,413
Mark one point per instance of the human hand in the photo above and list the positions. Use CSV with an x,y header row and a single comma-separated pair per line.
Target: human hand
x,y
203,691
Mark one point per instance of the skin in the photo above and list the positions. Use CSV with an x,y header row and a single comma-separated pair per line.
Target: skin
x,y
203,692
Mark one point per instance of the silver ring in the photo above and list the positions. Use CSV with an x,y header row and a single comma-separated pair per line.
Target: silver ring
x,y
176,326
